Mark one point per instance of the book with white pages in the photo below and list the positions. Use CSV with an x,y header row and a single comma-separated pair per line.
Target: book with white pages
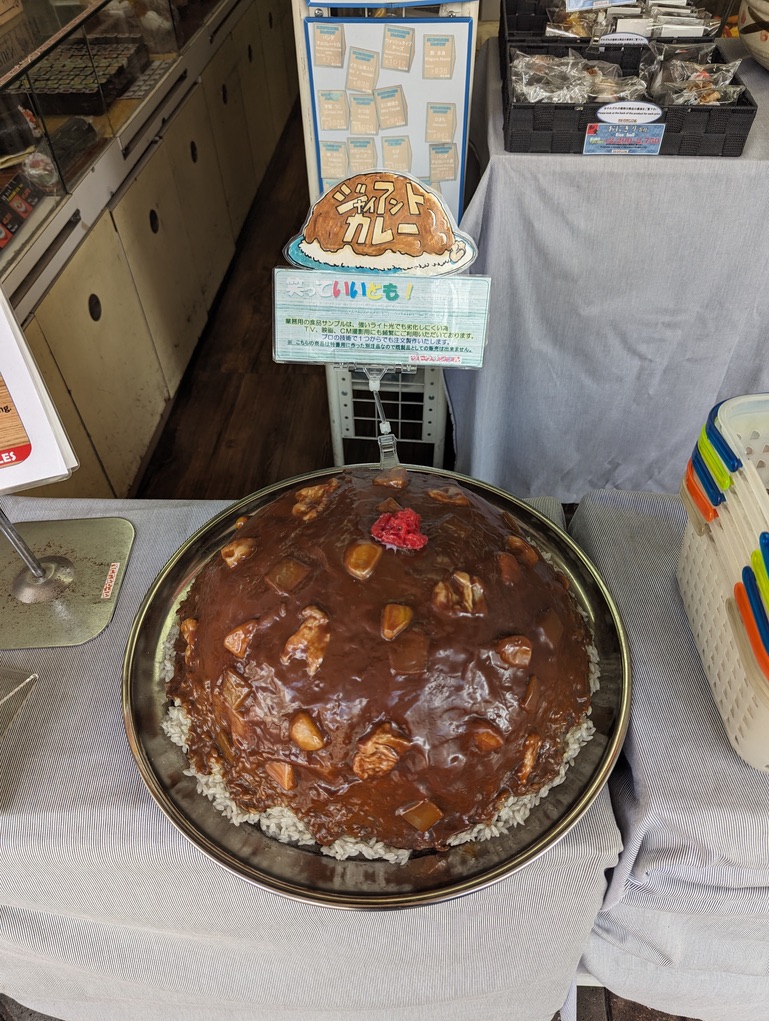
x,y
34,448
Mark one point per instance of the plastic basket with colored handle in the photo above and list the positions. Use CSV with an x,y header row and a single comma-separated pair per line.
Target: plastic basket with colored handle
x,y
740,690
722,572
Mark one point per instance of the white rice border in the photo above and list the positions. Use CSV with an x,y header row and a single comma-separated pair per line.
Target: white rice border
x,y
347,258
282,824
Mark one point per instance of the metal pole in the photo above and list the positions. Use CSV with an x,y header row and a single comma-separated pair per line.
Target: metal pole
x,y
20,546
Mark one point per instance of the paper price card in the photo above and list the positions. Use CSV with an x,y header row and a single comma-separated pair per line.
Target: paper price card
x,y
380,319
14,441
623,139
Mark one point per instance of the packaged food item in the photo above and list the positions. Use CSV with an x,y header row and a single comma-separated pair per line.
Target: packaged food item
x,y
564,24
687,83
544,78
575,79
40,170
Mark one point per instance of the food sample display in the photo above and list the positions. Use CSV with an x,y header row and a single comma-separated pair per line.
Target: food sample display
x,y
380,663
670,75
81,78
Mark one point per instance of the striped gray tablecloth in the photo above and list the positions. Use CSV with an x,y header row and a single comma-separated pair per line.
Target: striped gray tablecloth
x,y
108,914
609,339
685,925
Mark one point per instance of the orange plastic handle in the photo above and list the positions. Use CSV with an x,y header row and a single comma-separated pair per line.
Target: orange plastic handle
x,y
696,492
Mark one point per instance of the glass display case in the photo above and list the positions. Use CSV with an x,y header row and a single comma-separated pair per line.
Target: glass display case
x,y
71,78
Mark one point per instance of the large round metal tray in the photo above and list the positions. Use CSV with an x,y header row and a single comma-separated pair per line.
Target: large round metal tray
x,y
303,873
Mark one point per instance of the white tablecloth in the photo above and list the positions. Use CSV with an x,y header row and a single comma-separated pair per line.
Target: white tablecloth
x,y
685,925
628,296
108,914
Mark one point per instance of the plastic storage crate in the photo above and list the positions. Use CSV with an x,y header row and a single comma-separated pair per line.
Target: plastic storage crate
x,y
561,127
527,20
723,571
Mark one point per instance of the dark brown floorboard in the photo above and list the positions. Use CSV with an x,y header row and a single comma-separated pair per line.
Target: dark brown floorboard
x,y
241,422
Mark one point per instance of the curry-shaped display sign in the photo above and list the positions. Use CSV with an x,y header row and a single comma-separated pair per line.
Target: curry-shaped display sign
x,y
382,222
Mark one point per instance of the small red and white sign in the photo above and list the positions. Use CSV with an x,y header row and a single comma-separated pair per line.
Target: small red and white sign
x,y
15,455
109,584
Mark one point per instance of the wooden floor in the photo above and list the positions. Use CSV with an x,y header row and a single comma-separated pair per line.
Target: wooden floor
x,y
241,422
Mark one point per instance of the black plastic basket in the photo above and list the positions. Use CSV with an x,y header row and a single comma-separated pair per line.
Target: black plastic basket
x,y
561,127
519,19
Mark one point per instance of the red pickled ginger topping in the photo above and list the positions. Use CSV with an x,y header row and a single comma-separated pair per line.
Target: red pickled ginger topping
x,y
399,529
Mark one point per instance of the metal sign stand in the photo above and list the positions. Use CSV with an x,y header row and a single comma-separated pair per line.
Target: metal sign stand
x,y
388,448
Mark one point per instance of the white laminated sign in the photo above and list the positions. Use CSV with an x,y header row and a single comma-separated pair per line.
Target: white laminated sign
x,y
377,280
33,445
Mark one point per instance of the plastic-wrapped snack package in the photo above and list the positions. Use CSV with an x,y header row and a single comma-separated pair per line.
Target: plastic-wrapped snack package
x,y
696,51
563,24
603,69
659,55
714,74
691,94
682,22
684,82
542,78
613,89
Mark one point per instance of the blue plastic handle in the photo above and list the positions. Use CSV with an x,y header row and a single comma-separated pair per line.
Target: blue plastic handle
x,y
763,545
756,605
706,480
714,434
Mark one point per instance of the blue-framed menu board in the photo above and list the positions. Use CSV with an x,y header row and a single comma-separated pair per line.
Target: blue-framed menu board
x,y
391,94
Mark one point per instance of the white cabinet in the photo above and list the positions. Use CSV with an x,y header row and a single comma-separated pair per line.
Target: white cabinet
x,y
89,479
192,156
275,26
253,78
224,99
94,326
115,330
289,56
151,226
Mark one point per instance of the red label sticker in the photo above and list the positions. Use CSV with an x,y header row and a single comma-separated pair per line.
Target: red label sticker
x,y
15,455
109,584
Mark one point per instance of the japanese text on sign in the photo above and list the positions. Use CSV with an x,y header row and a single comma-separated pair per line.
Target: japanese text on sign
x,y
344,318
